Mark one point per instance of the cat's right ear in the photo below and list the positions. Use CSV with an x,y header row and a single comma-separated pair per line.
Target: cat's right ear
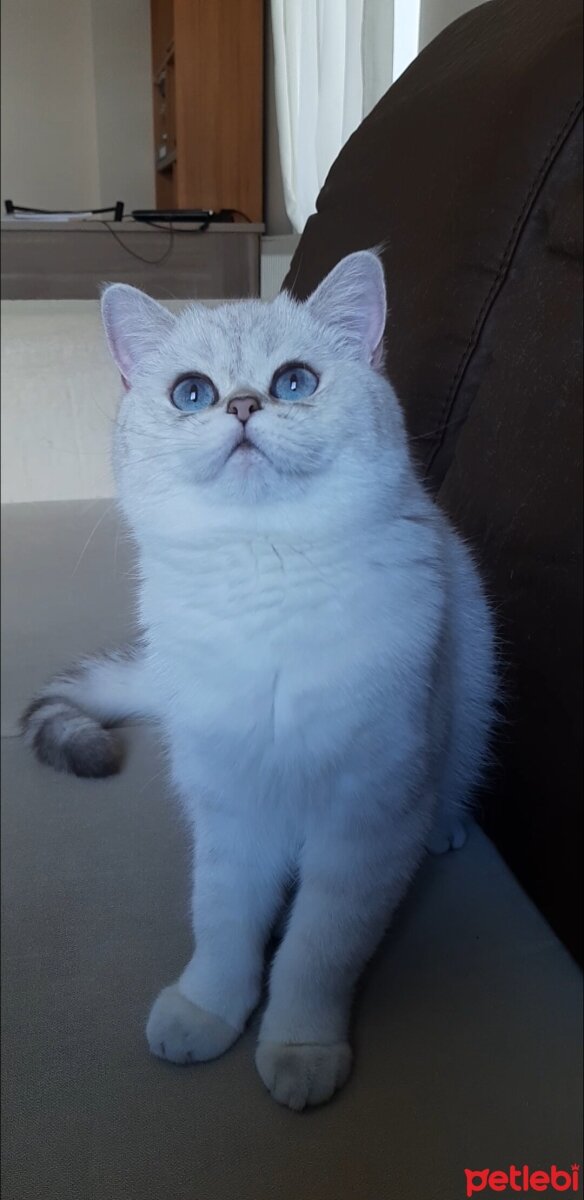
x,y
134,325
351,299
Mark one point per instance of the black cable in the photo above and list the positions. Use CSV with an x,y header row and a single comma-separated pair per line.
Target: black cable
x,y
152,262
238,213
169,228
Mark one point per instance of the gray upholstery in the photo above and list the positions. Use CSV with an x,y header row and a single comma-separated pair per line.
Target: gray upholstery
x,y
467,1026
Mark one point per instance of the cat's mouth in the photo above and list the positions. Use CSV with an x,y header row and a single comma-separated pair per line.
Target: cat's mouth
x,y
246,447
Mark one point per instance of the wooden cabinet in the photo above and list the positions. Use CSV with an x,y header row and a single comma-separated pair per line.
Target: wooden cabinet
x,y
52,261
207,60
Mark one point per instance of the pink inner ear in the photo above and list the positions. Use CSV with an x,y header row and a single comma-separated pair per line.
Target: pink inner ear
x,y
352,298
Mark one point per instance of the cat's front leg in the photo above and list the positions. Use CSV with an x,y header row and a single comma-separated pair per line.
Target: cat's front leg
x,y
235,900
353,873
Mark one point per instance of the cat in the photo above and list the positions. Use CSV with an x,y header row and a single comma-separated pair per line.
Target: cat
x,y
316,648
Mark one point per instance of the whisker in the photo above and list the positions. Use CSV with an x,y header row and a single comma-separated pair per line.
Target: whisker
x,y
93,531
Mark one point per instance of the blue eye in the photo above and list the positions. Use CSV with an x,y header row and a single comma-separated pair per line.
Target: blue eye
x,y
293,382
193,392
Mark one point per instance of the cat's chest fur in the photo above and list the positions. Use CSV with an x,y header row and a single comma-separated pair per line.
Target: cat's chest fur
x,y
276,647
237,616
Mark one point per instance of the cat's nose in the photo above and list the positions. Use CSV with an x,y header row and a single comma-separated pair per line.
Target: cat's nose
x,y
243,406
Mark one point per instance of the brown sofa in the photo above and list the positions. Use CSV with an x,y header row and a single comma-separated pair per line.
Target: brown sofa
x,y
468,175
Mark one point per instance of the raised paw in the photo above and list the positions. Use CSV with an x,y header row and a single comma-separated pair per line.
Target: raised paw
x,y
448,834
303,1075
182,1032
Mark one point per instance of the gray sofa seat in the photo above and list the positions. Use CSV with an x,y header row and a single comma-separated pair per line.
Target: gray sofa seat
x,y
467,1025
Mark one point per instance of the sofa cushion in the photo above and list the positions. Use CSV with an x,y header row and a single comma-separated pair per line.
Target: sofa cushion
x,y
64,592
467,1025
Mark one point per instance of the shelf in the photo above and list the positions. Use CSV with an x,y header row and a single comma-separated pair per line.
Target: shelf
x,y
207,93
168,58
164,164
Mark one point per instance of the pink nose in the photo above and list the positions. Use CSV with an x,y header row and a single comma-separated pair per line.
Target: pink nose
x,y
243,406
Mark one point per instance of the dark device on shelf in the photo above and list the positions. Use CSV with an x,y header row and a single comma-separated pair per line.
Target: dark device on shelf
x,y
117,209
163,216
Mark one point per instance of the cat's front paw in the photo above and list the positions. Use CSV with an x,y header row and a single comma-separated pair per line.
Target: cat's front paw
x,y
303,1075
182,1032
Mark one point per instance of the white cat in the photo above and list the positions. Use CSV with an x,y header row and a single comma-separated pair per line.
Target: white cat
x,y
317,650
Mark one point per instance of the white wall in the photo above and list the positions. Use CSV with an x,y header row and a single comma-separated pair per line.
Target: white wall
x,y
435,15
77,103
123,97
49,128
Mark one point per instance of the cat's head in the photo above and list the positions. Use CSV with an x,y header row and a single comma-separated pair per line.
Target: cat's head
x,y
255,404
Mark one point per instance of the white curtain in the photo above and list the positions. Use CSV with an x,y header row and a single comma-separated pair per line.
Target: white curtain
x,y
334,59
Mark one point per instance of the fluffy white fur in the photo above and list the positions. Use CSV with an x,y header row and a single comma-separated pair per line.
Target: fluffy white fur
x,y
318,652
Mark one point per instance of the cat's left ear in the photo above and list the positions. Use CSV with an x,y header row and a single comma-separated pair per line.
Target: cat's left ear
x,y
352,299
135,325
